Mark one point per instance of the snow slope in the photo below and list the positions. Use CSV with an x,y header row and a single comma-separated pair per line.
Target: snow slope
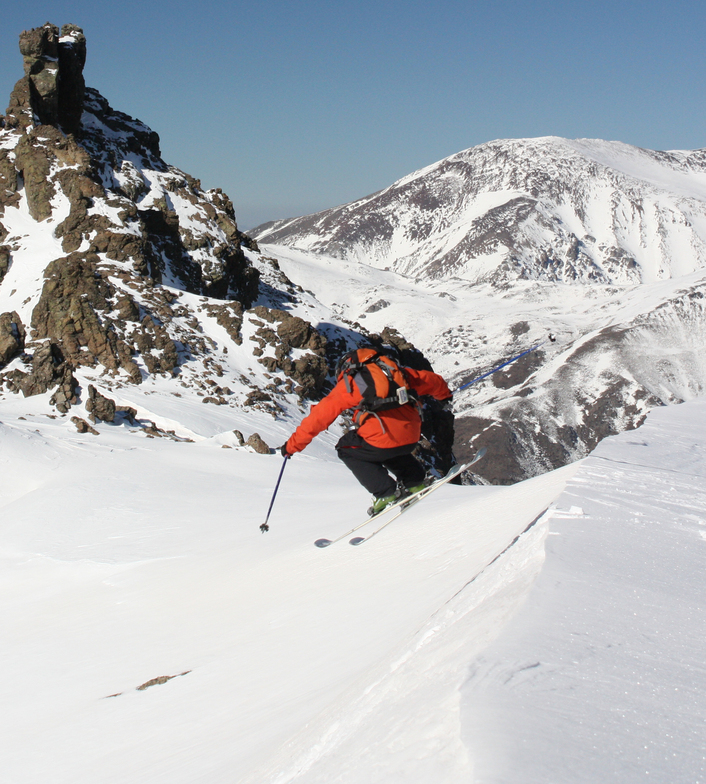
x,y
127,559
601,676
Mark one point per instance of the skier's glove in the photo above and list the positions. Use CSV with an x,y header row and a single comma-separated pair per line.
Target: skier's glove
x,y
283,450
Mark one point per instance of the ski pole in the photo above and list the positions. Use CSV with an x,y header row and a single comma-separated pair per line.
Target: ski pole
x,y
264,527
551,338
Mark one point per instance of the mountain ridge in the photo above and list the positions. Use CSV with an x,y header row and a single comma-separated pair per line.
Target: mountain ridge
x,y
516,209
124,284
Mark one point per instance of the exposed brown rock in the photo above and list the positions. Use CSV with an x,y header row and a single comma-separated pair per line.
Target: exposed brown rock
x,y
72,87
67,311
48,368
52,89
8,181
159,681
256,396
128,309
33,163
40,52
99,406
12,336
83,427
66,394
155,335
19,111
309,371
230,316
256,443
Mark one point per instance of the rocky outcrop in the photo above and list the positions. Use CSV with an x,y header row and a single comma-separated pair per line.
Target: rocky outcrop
x,y
99,406
229,315
83,427
256,443
8,185
4,261
48,369
67,314
122,214
51,91
308,371
12,337
67,390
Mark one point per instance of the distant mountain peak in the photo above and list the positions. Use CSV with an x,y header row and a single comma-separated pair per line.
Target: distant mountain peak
x,y
551,209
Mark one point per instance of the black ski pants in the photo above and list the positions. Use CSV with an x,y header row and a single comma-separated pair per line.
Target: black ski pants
x,y
371,464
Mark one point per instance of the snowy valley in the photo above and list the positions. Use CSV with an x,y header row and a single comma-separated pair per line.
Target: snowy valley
x,y
541,623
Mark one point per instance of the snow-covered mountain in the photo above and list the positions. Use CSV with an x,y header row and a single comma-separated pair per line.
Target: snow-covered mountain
x,y
600,243
150,353
548,209
127,290
129,296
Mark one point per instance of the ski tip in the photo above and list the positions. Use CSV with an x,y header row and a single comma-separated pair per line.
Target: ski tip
x,y
481,452
323,542
357,540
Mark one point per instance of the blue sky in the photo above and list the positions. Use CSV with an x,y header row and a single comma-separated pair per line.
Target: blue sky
x,y
292,107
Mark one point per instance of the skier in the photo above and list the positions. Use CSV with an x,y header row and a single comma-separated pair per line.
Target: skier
x,y
383,397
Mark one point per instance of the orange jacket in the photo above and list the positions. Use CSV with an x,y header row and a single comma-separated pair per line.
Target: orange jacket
x,y
395,427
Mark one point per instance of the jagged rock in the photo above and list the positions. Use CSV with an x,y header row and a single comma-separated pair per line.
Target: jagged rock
x,y
379,305
8,182
12,336
239,437
257,396
72,87
132,183
230,317
248,242
154,335
265,313
410,356
48,366
128,309
309,371
66,394
19,111
256,443
300,334
53,95
53,87
99,406
40,52
67,311
128,412
33,164
83,427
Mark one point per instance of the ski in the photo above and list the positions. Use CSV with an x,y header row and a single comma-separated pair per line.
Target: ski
x,y
402,505
407,503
